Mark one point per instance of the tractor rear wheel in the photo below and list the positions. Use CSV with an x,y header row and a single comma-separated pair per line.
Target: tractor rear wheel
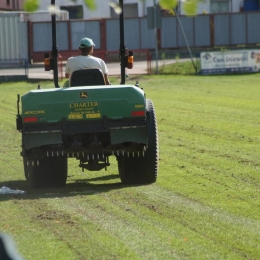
x,y
51,172
142,170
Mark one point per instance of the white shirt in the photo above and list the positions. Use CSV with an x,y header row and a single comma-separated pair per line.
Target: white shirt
x,y
85,62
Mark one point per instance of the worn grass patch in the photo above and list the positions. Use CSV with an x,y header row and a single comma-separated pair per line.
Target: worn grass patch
x,y
204,205
180,68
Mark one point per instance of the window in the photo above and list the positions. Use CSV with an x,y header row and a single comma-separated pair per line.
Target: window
x,y
75,11
220,6
130,10
7,2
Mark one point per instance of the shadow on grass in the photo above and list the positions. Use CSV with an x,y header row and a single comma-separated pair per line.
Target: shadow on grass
x,y
74,188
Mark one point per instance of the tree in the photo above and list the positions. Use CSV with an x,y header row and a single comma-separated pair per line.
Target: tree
x,y
189,6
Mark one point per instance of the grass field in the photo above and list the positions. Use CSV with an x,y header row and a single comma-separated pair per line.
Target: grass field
x,y
204,205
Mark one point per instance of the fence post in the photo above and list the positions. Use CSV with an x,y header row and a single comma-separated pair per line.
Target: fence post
x,y
212,31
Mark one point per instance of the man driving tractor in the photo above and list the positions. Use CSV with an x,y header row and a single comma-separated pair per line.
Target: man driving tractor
x,y
86,60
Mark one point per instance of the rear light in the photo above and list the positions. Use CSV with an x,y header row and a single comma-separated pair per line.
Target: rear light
x,y
138,113
30,119
48,62
129,60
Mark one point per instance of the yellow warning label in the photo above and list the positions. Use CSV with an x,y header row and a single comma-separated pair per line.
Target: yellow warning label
x,y
94,115
77,116
36,112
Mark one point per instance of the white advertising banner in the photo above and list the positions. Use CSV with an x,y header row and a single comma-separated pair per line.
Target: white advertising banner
x,y
230,62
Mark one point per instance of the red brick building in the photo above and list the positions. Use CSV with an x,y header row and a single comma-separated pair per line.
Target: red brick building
x,y
11,5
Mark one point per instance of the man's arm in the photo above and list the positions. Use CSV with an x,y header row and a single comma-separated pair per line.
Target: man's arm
x,y
67,70
106,79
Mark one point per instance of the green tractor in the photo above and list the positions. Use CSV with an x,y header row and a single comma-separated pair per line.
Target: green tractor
x,y
90,122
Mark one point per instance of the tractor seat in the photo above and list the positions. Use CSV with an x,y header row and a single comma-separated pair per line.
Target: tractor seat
x,y
87,77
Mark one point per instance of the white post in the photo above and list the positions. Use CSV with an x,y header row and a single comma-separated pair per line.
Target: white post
x,y
155,35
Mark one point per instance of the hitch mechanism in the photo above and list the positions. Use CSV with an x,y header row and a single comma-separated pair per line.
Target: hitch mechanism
x,y
95,165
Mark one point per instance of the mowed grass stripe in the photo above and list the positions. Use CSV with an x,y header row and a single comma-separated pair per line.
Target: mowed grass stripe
x,y
33,240
83,238
172,223
127,225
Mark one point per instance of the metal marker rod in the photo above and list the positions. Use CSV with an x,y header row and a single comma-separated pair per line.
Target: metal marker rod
x,y
122,42
185,38
54,48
